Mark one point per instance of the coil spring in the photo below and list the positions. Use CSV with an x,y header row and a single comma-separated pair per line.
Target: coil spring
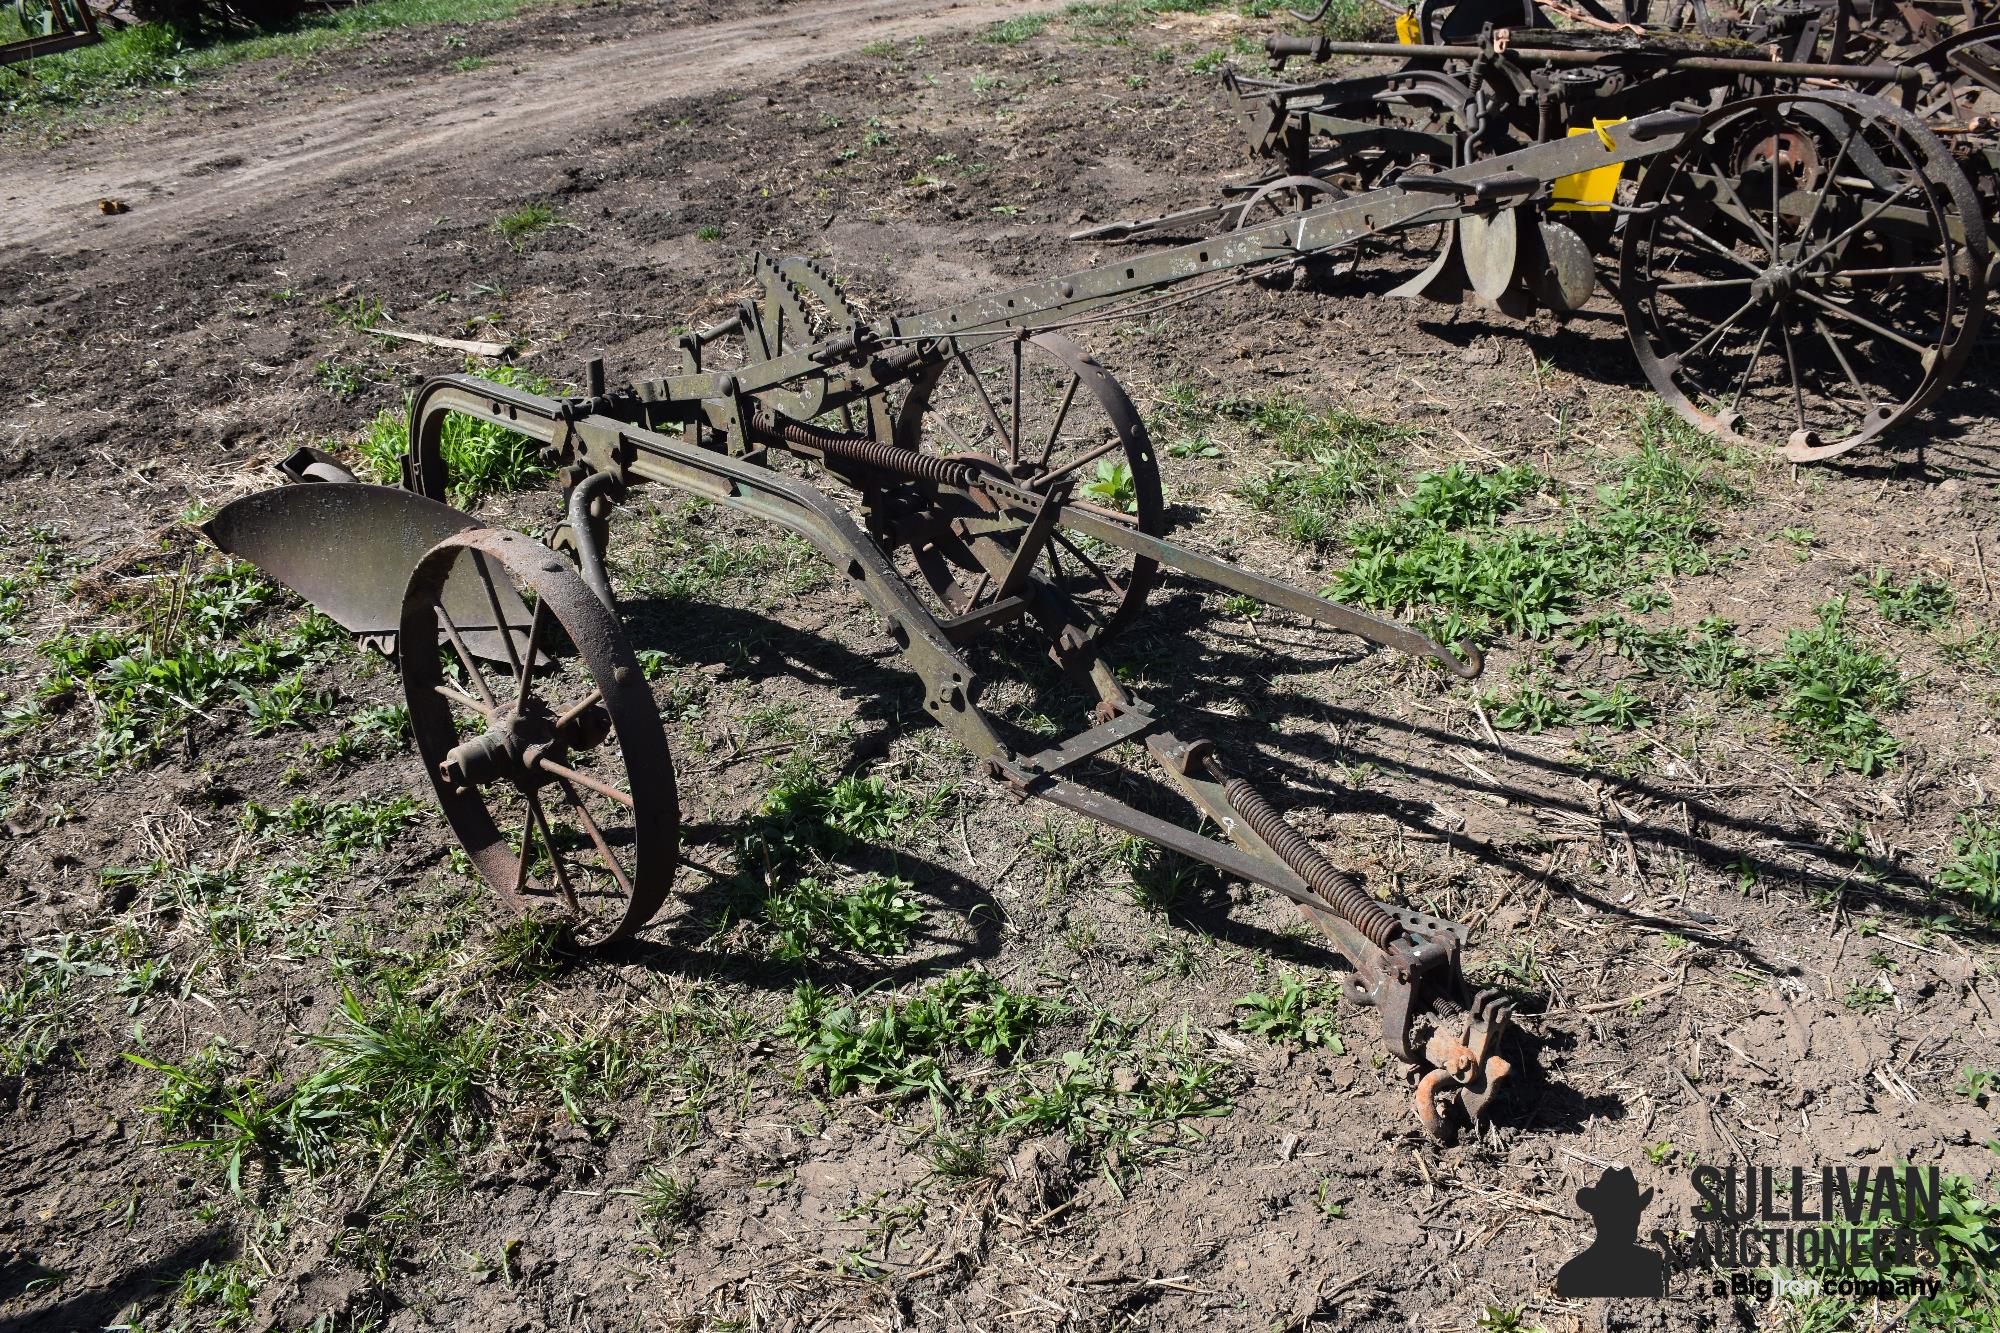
x,y
1343,892
863,449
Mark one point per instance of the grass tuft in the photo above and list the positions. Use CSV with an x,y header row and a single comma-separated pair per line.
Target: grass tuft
x,y
480,458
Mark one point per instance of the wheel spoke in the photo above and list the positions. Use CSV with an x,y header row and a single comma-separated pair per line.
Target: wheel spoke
x,y
1697,350
597,785
1110,515
1776,219
1861,222
576,710
1111,585
1792,365
528,658
1749,217
1069,396
978,387
597,837
1087,459
1706,284
1937,270
1833,344
1750,366
467,659
1717,246
527,853
1812,214
1839,311
500,626
457,695
541,821
1014,433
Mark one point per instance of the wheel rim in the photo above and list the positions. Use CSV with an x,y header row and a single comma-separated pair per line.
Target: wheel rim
x,y
568,757
1807,269
1284,197
1041,410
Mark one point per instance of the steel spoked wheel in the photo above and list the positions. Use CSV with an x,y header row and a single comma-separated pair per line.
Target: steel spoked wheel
x,y
551,766
1282,198
1807,268
1042,411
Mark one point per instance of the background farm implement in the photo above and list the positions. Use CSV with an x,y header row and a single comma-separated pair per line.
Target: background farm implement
x,y
1810,268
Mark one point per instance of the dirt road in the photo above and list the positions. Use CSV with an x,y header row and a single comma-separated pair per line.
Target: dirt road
x,y
175,176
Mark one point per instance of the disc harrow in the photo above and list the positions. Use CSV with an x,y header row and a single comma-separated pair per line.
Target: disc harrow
x,y
971,473
1810,270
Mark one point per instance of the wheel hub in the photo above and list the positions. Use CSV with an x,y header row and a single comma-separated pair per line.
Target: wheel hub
x,y
513,748
1778,283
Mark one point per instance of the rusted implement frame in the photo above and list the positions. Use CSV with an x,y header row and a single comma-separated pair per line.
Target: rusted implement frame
x,y
714,433
65,24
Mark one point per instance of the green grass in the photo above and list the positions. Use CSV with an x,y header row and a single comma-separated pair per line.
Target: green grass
x,y
1291,1013
1332,460
805,815
480,458
517,226
1920,603
1829,689
340,829
224,1290
402,1072
36,1003
1014,31
1122,1098
875,917
1537,705
185,649
1706,657
1972,871
668,1204
150,56
1442,552
901,1046
689,561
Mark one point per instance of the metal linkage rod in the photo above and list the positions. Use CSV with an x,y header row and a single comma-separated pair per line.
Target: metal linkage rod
x,y
1561,55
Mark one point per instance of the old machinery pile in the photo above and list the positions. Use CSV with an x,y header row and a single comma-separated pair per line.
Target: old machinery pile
x,y
34,28
1809,268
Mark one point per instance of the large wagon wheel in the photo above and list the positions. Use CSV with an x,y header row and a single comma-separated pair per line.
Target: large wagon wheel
x,y
552,771
1808,267
1043,411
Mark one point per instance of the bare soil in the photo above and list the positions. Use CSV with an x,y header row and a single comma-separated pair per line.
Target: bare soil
x,y
1690,907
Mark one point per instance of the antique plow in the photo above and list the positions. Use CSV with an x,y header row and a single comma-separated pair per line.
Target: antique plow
x,y
1810,268
998,487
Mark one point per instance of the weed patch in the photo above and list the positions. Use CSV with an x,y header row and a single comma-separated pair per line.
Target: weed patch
x,y
874,917
187,649
1291,1013
901,1047
1972,871
480,458
1440,551
1831,688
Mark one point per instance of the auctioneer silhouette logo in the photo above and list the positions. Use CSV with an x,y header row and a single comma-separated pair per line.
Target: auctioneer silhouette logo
x,y
1615,1264
1848,1231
